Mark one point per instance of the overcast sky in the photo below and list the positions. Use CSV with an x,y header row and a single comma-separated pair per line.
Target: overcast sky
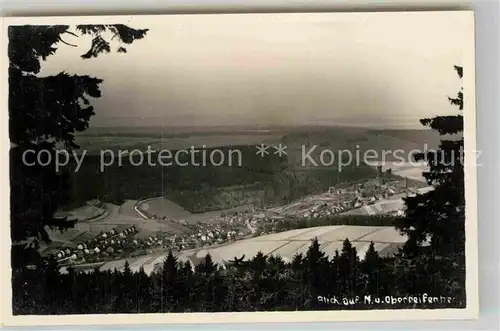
x,y
382,70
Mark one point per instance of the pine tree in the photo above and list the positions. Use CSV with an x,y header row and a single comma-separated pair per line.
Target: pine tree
x,y
315,262
439,215
297,294
169,283
144,292
187,287
277,276
45,112
258,264
240,287
128,294
297,262
207,267
127,272
370,267
335,282
348,268
206,274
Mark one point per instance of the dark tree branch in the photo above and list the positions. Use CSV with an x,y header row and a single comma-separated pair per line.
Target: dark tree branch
x,y
64,42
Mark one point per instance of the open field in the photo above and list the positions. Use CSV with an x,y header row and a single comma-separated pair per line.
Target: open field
x,y
161,207
85,213
287,244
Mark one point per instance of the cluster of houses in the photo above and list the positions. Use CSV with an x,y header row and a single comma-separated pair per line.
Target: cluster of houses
x,y
166,241
325,209
222,229
92,248
337,200
123,241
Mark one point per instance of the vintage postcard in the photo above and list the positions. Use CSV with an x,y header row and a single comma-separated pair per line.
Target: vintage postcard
x,y
239,168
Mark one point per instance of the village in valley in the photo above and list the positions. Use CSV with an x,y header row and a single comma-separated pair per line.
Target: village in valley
x,y
106,235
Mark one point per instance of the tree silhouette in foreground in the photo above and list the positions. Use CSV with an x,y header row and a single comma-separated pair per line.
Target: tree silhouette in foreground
x,y
263,283
439,215
45,112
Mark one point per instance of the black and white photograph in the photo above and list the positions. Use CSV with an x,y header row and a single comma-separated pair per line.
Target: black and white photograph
x,y
307,166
